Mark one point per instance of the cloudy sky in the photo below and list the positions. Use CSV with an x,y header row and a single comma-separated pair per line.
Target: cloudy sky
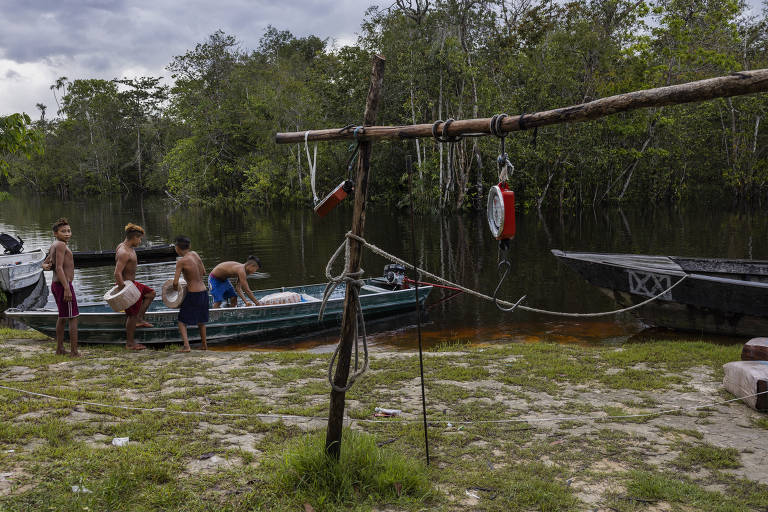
x,y
41,40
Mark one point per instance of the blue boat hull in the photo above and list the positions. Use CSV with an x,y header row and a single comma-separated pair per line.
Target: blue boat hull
x,y
99,324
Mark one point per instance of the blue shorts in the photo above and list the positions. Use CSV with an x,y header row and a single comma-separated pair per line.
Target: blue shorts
x,y
194,309
221,289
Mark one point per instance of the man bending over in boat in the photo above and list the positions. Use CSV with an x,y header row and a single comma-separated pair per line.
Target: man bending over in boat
x,y
194,308
63,265
125,270
221,288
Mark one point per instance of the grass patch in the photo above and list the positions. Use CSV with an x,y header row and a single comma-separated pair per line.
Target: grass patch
x,y
707,456
6,333
365,474
677,489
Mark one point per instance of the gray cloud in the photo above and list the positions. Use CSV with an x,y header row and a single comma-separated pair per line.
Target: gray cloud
x,y
41,40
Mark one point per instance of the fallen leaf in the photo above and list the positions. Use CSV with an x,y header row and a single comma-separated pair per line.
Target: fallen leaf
x,y
308,508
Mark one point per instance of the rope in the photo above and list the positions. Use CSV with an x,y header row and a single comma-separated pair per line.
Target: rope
x,y
402,421
312,166
482,296
353,278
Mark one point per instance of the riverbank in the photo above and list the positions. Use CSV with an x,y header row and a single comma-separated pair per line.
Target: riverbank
x,y
708,459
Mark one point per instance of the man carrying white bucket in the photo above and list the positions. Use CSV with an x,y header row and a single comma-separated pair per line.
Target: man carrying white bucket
x,y
125,270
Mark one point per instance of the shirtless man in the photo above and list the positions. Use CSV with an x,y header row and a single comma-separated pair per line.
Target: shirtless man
x,y
125,270
222,289
62,263
194,309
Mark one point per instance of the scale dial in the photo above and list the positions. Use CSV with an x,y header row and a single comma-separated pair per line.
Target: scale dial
x,y
495,211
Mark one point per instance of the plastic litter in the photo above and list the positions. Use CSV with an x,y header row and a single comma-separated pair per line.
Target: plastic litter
x,y
120,441
380,411
81,489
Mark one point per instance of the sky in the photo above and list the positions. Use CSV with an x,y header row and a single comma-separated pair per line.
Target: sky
x,y
42,40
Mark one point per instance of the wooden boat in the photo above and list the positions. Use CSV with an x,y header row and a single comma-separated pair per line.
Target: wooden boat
x,y
97,258
719,296
99,324
18,271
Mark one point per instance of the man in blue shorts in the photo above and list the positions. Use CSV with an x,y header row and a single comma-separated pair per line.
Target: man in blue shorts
x,y
194,308
222,290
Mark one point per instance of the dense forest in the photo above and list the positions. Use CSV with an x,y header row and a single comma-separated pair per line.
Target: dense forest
x,y
209,137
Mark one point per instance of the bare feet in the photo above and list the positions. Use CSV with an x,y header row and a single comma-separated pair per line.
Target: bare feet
x,y
136,346
184,349
204,347
143,323
75,354
60,352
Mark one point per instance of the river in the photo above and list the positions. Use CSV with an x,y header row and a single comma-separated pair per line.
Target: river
x,y
294,246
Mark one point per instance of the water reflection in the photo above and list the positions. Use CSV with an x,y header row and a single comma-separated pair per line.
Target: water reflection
x,y
294,246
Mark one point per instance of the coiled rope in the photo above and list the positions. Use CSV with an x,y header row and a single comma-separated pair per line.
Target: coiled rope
x,y
353,279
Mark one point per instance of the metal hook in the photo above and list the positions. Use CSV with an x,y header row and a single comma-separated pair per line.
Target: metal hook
x,y
504,261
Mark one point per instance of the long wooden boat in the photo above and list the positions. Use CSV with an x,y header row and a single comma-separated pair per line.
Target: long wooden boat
x,y
18,271
99,324
719,296
97,258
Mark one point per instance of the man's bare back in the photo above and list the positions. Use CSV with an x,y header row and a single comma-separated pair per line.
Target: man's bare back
x,y
193,270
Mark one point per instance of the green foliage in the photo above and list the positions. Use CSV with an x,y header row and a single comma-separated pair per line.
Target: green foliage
x,y
209,138
16,136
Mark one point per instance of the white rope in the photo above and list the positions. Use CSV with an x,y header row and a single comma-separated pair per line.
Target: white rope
x,y
403,421
479,295
312,162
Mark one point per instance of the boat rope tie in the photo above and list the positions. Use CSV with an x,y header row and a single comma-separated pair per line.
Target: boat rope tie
x,y
498,302
353,279
312,167
404,421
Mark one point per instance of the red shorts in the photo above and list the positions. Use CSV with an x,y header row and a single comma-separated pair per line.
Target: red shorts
x,y
144,290
67,309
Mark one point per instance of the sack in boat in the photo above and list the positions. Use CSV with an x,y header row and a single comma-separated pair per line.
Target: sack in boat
x,y
743,378
755,349
119,300
173,298
280,298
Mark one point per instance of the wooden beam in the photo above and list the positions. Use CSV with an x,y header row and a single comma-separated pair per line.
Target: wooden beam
x,y
348,322
735,84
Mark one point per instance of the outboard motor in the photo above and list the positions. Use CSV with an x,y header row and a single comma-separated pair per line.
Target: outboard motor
x,y
394,274
11,244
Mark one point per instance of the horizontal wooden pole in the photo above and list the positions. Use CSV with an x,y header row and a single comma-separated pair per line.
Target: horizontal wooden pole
x,y
735,84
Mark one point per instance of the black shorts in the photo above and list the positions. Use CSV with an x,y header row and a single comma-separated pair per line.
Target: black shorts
x,y
194,309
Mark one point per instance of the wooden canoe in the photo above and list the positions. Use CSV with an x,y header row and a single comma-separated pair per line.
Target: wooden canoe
x,y
719,296
100,258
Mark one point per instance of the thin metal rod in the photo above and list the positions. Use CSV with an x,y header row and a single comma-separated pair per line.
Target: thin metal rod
x,y
735,84
409,165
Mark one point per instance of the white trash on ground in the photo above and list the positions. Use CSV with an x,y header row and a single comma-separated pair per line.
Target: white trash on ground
x,y
120,441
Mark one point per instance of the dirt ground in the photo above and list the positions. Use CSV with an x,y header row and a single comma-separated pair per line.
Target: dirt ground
x,y
512,428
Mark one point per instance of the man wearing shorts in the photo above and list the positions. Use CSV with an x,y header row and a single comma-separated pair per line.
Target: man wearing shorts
x,y
62,263
222,289
194,308
125,270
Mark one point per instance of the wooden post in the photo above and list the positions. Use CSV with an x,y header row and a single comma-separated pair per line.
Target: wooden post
x,y
336,413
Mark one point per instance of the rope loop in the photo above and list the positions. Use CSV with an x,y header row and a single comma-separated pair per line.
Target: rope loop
x,y
347,276
443,137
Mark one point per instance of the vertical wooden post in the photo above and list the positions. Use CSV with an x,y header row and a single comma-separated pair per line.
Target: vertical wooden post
x,y
336,413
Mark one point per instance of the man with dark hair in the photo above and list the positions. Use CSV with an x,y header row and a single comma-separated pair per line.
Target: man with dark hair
x,y
221,288
125,270
194,308
61,261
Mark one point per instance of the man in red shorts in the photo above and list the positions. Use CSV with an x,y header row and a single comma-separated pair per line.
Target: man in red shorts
x,y
63,265
125,270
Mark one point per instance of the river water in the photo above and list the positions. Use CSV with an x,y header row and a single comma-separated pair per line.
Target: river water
x,y
294,246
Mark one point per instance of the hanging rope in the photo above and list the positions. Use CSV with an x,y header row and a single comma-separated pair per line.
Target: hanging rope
x,y
482,296
353,278
506,169
451,141
312,167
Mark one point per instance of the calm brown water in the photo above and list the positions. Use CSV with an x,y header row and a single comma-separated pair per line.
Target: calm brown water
x,y
294,246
